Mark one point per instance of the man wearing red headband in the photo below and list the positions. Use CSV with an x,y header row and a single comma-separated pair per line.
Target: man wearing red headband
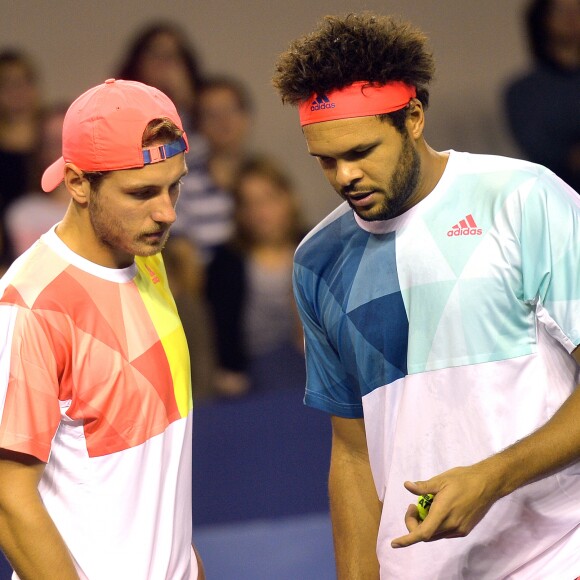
x,y
440,310
95,393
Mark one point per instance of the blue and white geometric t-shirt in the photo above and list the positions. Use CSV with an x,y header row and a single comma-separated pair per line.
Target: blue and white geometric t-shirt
x,y
449,330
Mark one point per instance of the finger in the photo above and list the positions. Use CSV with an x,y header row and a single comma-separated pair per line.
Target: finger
x,y
412,519
416,487
408,540
414,526
417,535
427,530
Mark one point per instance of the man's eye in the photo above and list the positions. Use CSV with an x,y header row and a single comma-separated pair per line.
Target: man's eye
x,y
142,194
359,154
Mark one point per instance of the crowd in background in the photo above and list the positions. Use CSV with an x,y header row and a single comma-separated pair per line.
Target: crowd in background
x,y
229,258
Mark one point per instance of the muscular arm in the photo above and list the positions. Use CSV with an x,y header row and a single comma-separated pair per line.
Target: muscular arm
x,y
464,495
354,505
28,536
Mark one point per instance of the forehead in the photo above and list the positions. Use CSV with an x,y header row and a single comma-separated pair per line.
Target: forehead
x,y
219,96
343,135
164,41
217,91
257,182
155,175
14,70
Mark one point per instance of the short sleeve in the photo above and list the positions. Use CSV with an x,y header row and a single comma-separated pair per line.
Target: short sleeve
x,y
550,245
29,390
328,387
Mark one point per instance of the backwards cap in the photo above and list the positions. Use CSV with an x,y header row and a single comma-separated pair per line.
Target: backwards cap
x,y
360,99
103,130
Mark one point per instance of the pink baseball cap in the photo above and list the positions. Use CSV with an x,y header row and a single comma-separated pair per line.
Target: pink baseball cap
x,y
103,130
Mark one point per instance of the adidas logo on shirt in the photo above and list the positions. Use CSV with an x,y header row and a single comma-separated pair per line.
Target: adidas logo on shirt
x,y
322,102
465,227
152,274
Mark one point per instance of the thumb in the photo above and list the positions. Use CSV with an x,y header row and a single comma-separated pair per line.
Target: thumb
x,y
419,487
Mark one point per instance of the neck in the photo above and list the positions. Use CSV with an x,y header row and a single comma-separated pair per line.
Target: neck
x,y
274,255
223,166
19,132
76,232
433,165
567,55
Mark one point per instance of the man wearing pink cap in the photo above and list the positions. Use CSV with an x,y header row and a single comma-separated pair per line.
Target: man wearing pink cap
x,y
95,394
440,305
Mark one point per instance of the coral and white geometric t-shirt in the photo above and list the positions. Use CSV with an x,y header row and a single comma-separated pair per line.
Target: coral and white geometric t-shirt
x,y
95,381
449,330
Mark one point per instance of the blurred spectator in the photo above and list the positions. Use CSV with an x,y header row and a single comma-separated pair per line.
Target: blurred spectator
x,y
161,56
543,107
258,336
204,211
35,212
19,116
185,273
225,119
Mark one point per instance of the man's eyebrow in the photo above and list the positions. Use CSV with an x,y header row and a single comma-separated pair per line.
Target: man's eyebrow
x,y
181,176
361,147
137,187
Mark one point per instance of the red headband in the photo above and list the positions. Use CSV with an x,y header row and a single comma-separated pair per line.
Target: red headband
x,y
360,99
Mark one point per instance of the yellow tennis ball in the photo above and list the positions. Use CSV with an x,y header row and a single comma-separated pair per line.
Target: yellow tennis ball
x,y
423,504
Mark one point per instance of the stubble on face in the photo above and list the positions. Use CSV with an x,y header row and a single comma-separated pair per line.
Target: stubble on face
x,y
401,186
113,233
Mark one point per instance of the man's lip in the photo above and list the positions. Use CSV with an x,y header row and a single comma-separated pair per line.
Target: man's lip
x,y
361,198
358,195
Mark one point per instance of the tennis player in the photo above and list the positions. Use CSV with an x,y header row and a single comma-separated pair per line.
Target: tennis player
x,y
95,394
440,305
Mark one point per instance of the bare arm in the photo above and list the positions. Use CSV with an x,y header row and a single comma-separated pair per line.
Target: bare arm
x,y
464,495
28,536
354,505
200,568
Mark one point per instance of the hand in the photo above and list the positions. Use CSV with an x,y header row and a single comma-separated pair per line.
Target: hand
x,y
463,496
230,384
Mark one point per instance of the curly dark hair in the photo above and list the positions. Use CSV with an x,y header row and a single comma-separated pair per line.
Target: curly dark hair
x,y
355,47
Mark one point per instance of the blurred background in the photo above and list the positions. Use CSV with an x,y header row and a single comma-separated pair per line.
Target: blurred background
x,y
260,457
477,46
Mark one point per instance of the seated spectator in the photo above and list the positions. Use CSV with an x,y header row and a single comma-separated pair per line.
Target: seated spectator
x,y
19,116
543,106
258,335
161,56
35,212
225,119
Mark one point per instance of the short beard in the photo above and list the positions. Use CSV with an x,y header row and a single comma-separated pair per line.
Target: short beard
x,y
105,227
402,186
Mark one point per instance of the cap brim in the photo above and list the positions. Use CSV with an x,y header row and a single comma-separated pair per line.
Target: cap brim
x,y
53,175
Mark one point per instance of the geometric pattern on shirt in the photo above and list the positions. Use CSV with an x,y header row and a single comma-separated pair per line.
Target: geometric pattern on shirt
x,y
112,363
365,287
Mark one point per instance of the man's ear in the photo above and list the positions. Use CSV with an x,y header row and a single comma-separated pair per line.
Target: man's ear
x,y
415,121
76,183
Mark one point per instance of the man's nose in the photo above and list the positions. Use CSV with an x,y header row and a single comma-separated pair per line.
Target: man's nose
x,y
347,173
164,211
